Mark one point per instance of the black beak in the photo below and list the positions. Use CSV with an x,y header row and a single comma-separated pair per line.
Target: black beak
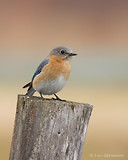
x,y
72,54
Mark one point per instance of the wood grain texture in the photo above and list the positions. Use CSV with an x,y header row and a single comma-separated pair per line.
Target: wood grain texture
x,y
49,129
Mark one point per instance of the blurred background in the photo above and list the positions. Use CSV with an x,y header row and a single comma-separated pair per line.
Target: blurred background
x,y
95,29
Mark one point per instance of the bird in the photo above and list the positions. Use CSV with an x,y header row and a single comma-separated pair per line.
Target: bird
x,y
52,73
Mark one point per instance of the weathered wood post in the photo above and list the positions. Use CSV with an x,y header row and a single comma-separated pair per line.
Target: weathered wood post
x,y
49,129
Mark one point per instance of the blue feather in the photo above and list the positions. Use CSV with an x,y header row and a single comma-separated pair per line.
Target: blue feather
x,y
40,67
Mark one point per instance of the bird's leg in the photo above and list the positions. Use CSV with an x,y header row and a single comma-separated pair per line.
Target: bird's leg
x,y
41,95
57,98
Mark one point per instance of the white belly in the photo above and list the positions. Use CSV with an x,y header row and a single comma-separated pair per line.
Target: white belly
x,y
52,86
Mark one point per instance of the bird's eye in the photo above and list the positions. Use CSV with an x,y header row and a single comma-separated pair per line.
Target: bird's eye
x,y
62,51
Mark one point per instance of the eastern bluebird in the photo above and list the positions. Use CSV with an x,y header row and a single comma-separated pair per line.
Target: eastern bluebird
x,y
52,73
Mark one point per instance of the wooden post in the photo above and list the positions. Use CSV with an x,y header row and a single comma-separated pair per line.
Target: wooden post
x,y
49,129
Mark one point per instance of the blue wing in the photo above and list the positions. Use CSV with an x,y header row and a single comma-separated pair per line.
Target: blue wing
x,y
40,67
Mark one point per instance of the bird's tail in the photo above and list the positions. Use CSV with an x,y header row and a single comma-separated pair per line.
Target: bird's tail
x,y
27,85
30,90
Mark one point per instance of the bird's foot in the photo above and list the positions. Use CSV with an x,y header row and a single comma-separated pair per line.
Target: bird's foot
x,y
57,98
41,96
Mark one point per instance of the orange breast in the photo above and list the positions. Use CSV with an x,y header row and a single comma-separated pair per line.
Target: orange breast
x,y
56,67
